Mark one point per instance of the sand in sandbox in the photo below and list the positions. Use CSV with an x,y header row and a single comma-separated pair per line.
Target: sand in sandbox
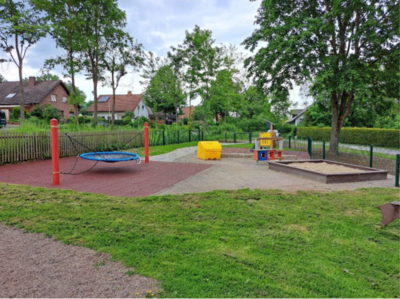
x,y
326,167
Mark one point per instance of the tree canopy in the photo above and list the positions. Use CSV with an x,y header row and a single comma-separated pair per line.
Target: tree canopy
x,y
347,49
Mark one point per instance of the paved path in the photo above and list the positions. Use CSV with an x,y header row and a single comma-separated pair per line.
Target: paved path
x,y
234,173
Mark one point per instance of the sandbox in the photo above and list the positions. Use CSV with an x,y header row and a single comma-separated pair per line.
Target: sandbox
x,y
329,171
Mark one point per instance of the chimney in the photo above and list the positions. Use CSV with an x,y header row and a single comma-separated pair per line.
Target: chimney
x,y
32,81
129,93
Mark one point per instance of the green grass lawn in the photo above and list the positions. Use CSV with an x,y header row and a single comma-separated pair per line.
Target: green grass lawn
x,y
163,149
228,243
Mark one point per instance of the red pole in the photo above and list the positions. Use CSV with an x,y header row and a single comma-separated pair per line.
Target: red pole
x,y
55,153
146,143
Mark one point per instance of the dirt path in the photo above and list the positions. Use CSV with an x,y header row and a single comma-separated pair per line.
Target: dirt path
x,y
34,266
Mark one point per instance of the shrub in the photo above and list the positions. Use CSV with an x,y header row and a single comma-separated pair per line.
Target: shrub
x,y
37,111
126,120
16,113
362,136
50,112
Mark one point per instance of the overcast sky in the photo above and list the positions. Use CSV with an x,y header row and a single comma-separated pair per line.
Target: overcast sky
x,y
158,25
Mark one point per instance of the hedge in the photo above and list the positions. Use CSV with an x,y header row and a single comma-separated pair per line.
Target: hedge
x,y
362,136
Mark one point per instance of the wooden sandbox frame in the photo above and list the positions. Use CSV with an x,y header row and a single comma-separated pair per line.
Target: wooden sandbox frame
x,y
368,174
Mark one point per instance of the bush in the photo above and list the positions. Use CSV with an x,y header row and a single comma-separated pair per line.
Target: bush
x,y
37,111
16,113
362,136
126,120
50,112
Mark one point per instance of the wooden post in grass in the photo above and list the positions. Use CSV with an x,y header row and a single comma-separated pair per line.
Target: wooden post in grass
x,y
55,152
146,143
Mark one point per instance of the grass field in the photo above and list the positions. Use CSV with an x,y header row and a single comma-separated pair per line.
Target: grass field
x,y
228,243
163,149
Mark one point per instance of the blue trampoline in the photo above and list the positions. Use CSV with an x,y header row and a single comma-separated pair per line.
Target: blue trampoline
x,y
111,157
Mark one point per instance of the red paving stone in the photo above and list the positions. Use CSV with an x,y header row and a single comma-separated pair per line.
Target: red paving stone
x,y
231,150
118,179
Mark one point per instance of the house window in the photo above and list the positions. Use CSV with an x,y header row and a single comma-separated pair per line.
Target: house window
x,y
11,95
65,99
143,107
53,98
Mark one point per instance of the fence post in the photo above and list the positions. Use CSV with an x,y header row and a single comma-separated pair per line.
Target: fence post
x,y
55,151
250,137
234,137
163,137
323,149
190,136
371,152
226,137
289,141
146,143
199,138
310,147
396,179
178,136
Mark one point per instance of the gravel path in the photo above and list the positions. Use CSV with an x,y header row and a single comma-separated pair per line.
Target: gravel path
x,y
32,265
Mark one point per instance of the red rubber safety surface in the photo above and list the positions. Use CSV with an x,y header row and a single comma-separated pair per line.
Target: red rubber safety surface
x,y
118,179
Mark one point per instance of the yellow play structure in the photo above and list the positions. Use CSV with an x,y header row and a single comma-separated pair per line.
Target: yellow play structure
x,y
209,150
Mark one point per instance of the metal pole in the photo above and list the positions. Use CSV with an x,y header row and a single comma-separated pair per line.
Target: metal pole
x,y
199,138
190,136
226,137
310,147
250,137
178,136
289,141
163,137
396,182
323,149
371,152
146,143
234,137
55,151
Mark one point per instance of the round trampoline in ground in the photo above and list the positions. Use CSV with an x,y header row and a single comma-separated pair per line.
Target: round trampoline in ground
x,y
111,157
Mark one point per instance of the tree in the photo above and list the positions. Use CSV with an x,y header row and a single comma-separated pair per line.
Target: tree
x,y
254,102
164,93
103,20
121,54
2,79
20,28
347,49
66,21
224,94
197,60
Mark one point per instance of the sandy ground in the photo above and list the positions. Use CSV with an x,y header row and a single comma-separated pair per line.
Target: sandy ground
x,y
233,173
34,266
324,167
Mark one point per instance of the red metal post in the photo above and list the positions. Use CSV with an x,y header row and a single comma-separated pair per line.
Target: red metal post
x,y
55,153
146,143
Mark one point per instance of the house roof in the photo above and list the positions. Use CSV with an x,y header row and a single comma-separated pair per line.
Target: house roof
x,y
185,111
123,103
290,121
33,94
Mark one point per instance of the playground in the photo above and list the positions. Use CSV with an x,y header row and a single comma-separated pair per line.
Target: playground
x,y
220,223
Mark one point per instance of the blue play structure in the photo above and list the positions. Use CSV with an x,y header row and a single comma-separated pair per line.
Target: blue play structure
x,y
111,157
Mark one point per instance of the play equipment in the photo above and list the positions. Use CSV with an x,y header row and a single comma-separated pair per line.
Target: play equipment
x,y
268,139
209,150
109,157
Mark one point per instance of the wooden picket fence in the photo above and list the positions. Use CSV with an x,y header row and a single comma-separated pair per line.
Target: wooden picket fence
x,y
17,146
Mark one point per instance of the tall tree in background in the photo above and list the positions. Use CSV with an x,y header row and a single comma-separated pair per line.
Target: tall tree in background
x,y
122,53
65,23
164,92
347,49
102,19
224,94
20,28
198,60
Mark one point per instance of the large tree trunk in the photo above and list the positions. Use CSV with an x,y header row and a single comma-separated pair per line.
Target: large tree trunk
x,y
334,141
22,94
72,70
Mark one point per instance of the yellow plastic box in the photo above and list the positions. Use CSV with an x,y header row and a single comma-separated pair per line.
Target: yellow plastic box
x,y
209,150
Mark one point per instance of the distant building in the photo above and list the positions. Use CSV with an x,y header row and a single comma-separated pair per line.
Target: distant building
x,y
185,112
39,93
123,103
296,116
